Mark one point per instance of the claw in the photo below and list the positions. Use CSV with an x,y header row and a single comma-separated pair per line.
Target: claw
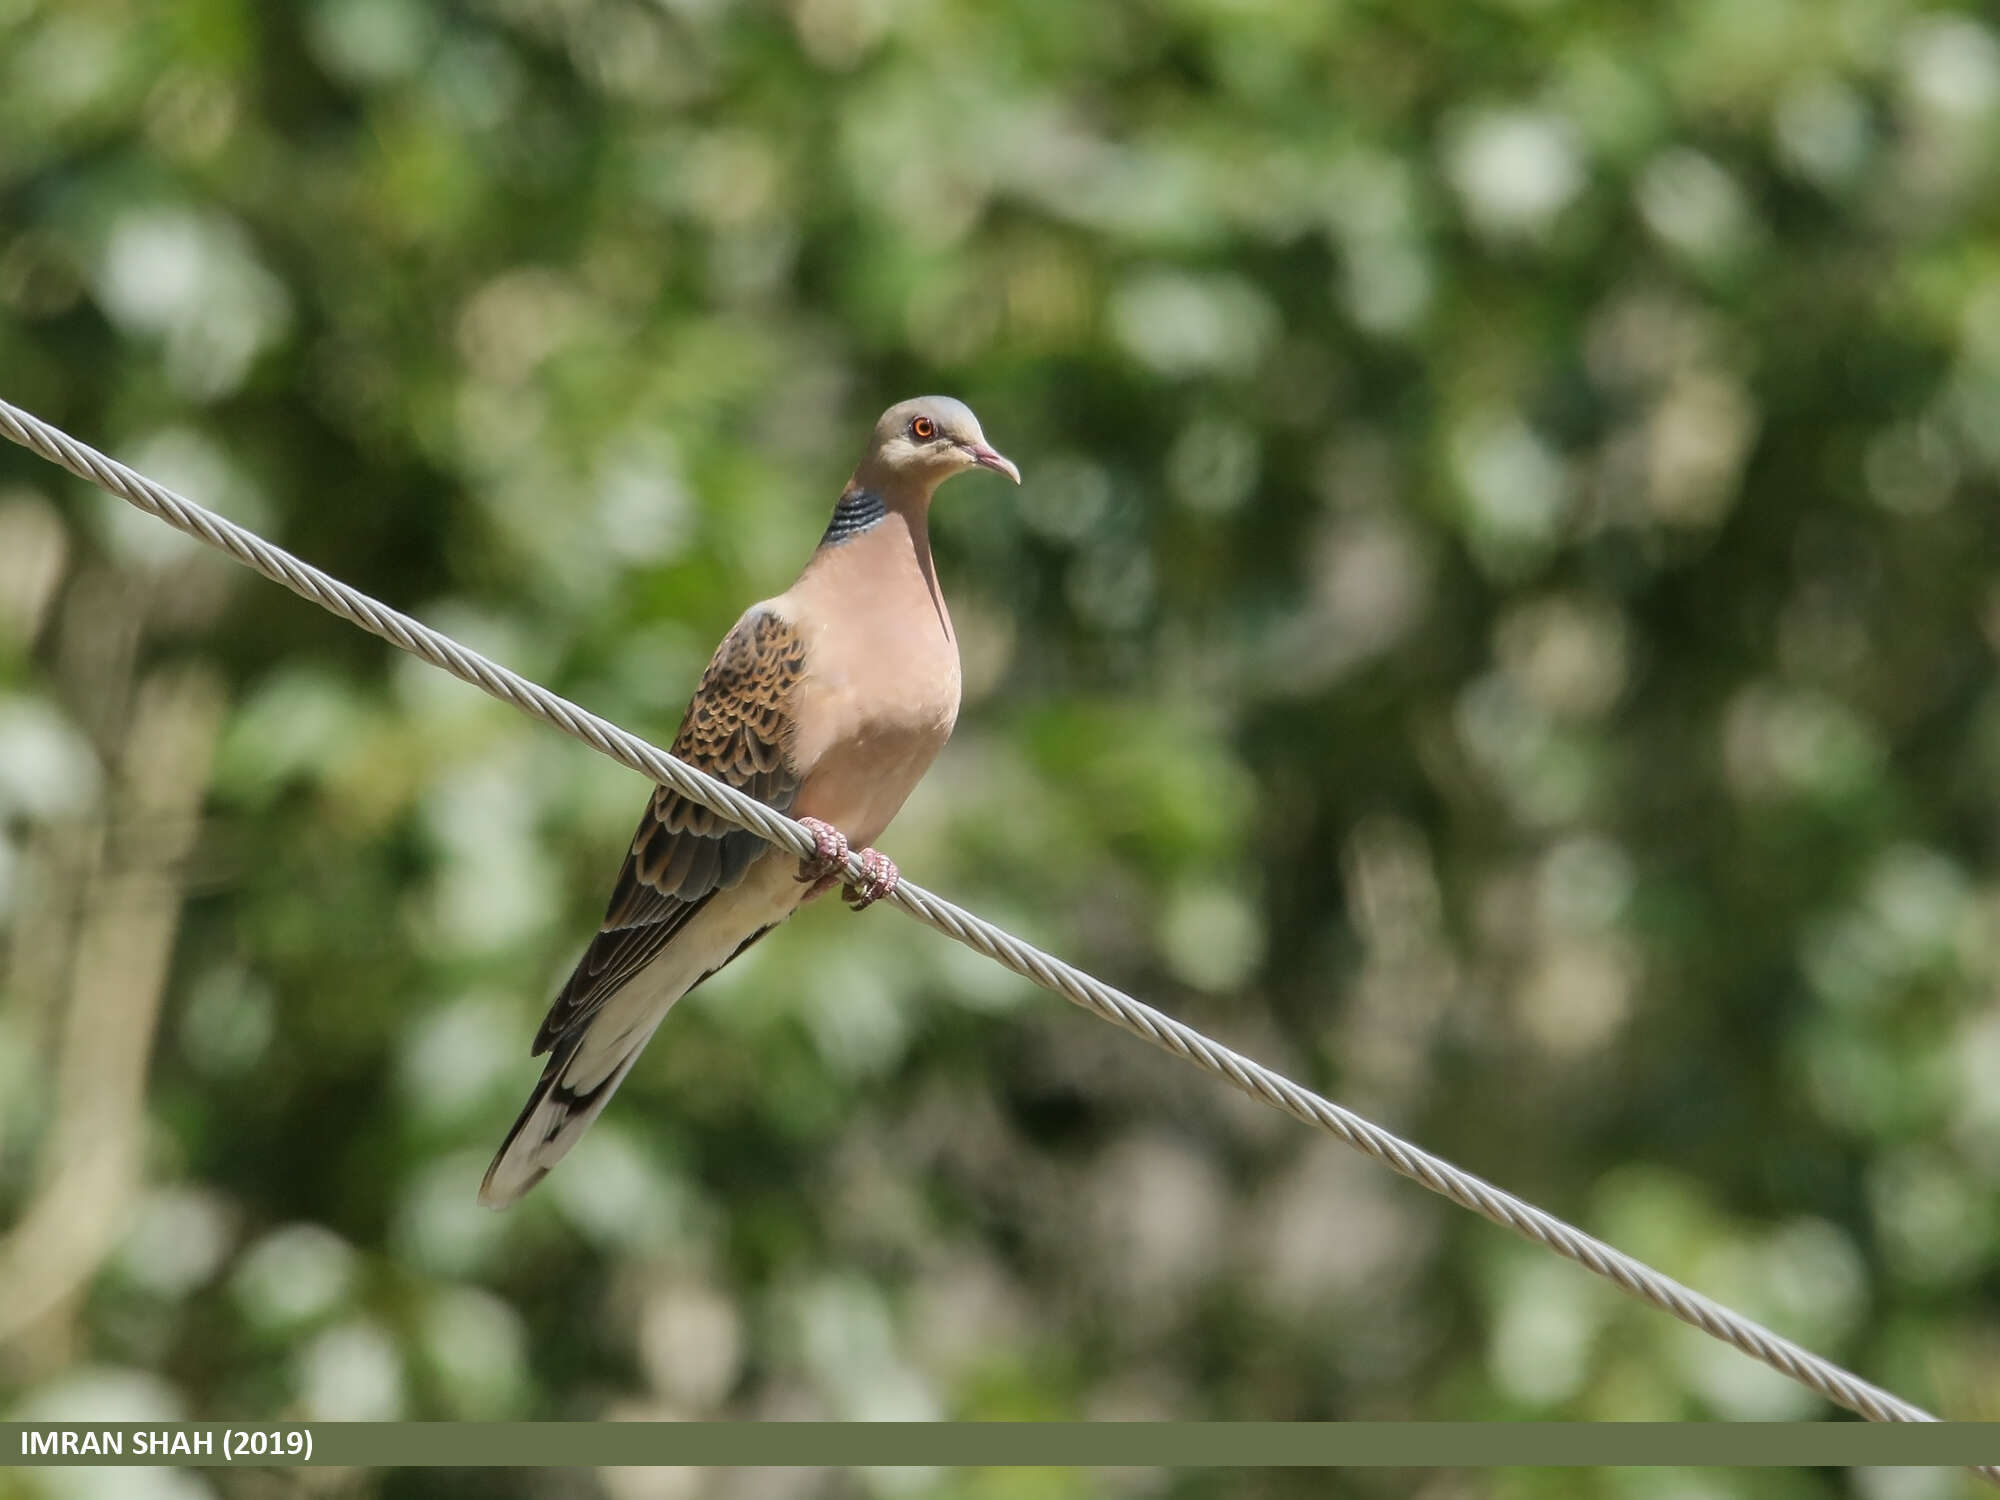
x,y
882,878
825,867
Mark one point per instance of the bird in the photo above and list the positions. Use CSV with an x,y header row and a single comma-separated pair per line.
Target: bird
x,y
827,703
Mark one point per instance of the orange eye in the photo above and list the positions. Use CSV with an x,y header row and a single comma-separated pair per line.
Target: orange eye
x,y
923,429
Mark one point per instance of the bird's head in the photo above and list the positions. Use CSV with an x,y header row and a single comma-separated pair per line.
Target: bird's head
x,y
919,444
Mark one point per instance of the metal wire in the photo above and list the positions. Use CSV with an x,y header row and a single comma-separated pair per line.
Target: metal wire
x,y
1631,1276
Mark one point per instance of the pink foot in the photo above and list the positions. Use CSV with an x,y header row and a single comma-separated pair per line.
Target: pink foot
x,y
882,878
824,868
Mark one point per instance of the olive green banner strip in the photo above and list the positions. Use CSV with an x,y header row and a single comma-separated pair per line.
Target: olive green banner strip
x,y
999,1444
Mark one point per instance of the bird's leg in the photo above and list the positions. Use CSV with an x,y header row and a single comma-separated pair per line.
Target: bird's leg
x,y
825,867
882,878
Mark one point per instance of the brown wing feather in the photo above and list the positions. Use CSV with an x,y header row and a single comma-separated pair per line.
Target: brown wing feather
x,y
738,728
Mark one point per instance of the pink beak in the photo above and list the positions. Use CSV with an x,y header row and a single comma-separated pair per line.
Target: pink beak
x,y
987,458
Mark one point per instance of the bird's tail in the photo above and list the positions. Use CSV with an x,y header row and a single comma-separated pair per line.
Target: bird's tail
x,y
569,1096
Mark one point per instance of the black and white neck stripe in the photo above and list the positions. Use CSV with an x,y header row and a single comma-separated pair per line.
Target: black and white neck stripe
x,y
857,511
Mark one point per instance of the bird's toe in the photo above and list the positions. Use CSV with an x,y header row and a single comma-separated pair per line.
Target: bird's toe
x,y
823,867
882,878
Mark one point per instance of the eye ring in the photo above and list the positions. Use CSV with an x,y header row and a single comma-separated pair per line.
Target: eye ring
x,y
923,429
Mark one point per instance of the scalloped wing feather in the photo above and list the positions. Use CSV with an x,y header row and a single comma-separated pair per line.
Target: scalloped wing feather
x,y
739,728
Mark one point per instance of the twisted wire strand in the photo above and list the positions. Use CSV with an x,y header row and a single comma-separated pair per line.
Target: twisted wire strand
x,y
1628,1274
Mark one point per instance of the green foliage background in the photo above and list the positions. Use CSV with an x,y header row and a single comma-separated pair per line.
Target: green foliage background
x,y
1500,624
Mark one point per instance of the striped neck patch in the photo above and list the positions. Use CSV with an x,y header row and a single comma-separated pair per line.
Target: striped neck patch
x,y
857,511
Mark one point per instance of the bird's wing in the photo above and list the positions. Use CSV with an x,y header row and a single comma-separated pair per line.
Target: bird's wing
x,y
739,728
